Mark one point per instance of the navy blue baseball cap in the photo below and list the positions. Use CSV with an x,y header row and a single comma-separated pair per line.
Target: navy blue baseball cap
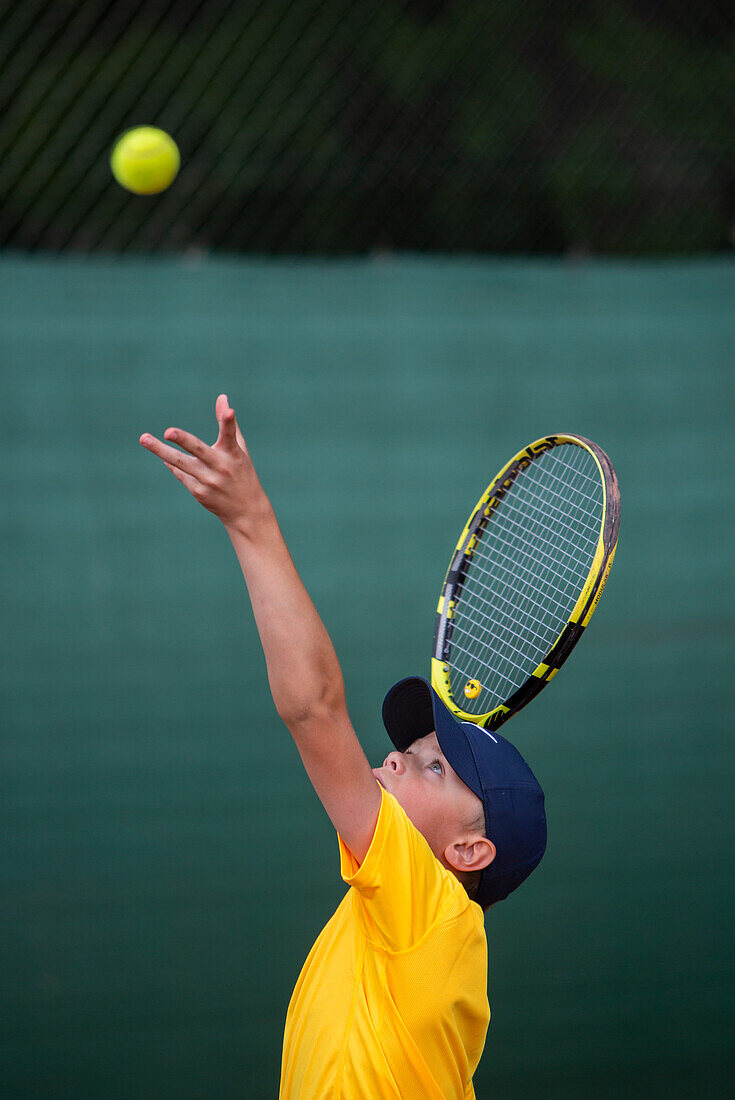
x,y
492,768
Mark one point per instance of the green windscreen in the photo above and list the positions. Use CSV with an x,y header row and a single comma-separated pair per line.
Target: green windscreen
x,y
165,865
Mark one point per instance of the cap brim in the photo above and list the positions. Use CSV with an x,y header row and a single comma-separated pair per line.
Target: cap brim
x,y
408,712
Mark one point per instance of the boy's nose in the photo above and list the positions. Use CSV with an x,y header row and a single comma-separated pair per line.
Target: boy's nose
x,y
394,761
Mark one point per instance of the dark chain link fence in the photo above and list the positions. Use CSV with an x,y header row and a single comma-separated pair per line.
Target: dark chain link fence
x,y
332,126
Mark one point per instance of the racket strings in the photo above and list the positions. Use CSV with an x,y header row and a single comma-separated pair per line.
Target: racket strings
x,y
497,676
546,505
496,641
538,552
501,627
482,615
577,471
496,646
495,636
543,477
543,508
556,553
525,575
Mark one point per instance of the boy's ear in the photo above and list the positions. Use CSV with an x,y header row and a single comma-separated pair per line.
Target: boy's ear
x,y
471,855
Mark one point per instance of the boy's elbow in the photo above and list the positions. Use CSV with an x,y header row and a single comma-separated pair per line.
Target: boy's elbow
x,y
299,714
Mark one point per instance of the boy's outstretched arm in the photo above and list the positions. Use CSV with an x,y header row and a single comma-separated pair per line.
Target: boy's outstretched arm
x,y
303,670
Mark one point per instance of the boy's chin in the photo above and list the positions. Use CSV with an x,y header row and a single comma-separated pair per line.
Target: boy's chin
x,y
378,776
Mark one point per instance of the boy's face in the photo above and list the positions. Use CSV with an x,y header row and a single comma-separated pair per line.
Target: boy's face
x,y
435,799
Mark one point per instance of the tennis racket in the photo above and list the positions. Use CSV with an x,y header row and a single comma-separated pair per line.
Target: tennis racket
x,y
525,577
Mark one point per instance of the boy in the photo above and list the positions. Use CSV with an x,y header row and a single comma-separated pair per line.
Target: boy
x,y
391,1002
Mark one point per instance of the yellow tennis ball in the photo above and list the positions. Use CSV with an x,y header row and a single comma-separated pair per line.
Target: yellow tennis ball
x,y
145,160
472,689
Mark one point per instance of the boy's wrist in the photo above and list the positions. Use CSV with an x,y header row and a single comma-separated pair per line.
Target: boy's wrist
x,y
257,521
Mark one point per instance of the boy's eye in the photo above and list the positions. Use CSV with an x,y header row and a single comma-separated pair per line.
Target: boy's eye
x,y
437,766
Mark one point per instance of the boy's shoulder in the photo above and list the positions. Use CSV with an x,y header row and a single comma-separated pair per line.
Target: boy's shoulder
x,y
401,889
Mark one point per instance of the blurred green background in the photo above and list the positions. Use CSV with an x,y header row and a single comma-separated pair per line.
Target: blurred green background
x,y
166,866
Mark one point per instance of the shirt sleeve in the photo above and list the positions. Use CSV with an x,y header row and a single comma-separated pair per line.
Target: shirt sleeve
x,y
401,889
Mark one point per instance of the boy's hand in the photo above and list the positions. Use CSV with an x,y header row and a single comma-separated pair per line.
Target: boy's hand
x,y
221,477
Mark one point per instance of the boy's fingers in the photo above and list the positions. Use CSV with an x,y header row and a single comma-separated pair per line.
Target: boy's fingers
x,y
191,483
223,411
220,405
169,454
189,442
227,436
240,440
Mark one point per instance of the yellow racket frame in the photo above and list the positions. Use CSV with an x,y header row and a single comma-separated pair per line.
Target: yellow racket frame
x,y
584,607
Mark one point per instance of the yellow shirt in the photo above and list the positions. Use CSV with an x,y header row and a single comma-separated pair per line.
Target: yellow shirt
x,y
392,1001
